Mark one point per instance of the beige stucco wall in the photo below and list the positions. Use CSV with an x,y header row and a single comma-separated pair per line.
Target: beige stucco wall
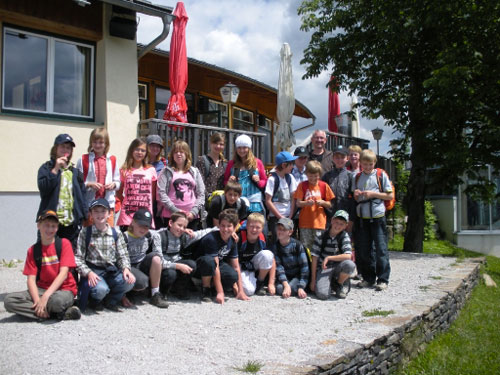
x,y
26,140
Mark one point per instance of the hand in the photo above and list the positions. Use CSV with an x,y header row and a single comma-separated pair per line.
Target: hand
x,y
368,194
189,232
94,185
40,307
235,237
219,298
110,186
190,216
309,202
255,178
271,289
61,162
287,291
233,178
184,268
301,293
320,202
242,296
128,276
325,262
93,279
312,286
357,193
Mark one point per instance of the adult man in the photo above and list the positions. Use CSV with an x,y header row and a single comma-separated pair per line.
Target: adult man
x,y
319,153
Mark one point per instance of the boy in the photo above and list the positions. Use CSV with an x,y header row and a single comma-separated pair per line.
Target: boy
x,y
372,256
105,261
230,199
220,260
292,268
299,169
313,197
51,287
254,258
354,153
339,179
332,266
280,187
144,249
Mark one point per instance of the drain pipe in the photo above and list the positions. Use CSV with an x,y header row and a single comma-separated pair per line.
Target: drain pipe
x,y
167,20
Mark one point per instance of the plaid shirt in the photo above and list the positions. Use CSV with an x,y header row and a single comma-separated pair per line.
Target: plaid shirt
x,y
102,251
291,264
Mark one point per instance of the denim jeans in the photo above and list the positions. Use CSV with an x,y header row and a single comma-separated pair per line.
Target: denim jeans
x,y
112,285
177,280
372,256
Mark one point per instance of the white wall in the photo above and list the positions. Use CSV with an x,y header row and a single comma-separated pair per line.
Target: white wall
x,y
484,242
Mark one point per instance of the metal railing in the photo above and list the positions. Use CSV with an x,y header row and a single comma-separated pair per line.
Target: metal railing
x,y
197,136
336,139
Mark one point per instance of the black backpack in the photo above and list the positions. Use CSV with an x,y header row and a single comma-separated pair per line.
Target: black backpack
x,y
187,252
37,254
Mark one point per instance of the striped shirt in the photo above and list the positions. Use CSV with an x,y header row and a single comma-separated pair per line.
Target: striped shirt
x,y
325,245
102,251
290,263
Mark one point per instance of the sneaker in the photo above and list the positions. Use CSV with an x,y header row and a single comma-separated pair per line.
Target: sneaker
x,y
365,284
112,307
259,288
343,289
97,306
158,301
381,286
206,294
72,313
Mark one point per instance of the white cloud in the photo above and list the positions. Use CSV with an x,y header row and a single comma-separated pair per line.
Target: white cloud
x,y
246,37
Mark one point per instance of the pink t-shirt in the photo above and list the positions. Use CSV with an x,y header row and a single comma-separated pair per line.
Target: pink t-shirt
x,y
137,192
181,192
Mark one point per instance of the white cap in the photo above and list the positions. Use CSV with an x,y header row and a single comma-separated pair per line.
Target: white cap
x,y
243,141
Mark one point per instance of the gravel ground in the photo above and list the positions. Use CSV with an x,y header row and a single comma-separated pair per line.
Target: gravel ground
x,y
194,338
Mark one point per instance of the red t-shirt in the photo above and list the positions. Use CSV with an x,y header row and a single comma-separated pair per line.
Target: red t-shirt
x,y
51,265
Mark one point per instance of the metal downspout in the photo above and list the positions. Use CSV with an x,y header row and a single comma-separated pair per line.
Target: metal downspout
x,y
167,20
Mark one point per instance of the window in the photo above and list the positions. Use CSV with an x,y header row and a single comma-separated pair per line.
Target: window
x,y
161,101
211,116
47,75
143,100
267,146
242,120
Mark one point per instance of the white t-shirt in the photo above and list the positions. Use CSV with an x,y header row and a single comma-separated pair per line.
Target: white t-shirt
x,y
284,194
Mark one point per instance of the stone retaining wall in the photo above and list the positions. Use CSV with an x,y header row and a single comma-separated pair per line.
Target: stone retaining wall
x,y
389,352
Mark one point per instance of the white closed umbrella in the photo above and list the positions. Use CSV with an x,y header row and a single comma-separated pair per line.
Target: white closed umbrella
x,y
284,136
355,125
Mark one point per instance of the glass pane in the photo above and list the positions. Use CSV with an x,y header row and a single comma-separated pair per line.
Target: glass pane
x,y
266,145
162,96
72,86
496,203
475,213
25,79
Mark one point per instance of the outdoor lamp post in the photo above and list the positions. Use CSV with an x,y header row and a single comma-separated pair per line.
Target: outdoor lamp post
x,y
377,135
229,93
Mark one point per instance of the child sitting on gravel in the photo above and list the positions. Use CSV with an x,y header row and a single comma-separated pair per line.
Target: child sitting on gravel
x,y
292,268
51,287
332,266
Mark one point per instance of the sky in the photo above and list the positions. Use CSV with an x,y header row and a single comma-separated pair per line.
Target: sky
x,y
246,37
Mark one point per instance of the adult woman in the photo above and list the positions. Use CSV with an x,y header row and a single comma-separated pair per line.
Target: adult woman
x,y
213,165
180,186
249,171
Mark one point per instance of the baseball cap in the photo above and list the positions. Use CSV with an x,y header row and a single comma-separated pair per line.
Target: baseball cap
x,y
342,214
155,139
47,213
301,151
284,157
99,202
143,217
286,222
64,138
340,150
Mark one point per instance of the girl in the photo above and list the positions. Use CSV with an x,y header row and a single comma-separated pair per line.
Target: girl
x,y
249,171
138,183
181,186
62,189
213,165
100,174
155,147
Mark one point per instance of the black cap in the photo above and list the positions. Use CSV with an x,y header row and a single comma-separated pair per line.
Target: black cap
x,y
300,151
47,213
340,150
143,217
64,138
99,202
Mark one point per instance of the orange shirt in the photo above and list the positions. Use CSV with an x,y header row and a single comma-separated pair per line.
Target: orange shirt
x,y
313,217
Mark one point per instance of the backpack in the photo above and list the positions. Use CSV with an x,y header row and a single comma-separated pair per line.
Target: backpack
x,y
37,254
85,165
187,252
288,180
220,193
389,204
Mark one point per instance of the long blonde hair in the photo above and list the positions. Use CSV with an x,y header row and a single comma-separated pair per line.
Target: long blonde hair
x,y
184,147
249,163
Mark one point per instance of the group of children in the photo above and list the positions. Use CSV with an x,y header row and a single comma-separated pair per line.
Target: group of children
x,y
249,244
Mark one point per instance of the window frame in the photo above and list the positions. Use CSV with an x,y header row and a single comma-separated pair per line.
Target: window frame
x,y
52,39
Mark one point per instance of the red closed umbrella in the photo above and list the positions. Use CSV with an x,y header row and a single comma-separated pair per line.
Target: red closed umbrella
x,y
178,68
333,108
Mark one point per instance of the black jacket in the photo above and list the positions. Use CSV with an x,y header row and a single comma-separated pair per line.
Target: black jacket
x,y
49,185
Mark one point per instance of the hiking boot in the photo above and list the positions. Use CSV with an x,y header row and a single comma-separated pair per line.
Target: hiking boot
x,y
381,286
112,307
259,288
158,301
343,290
206,294
72,313
97,306
365,284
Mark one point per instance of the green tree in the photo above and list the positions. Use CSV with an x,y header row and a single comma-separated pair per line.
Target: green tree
x,y
431,69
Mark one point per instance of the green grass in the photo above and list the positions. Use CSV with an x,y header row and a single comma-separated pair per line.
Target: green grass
x,y
470,346
377,312
10,264
252,367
